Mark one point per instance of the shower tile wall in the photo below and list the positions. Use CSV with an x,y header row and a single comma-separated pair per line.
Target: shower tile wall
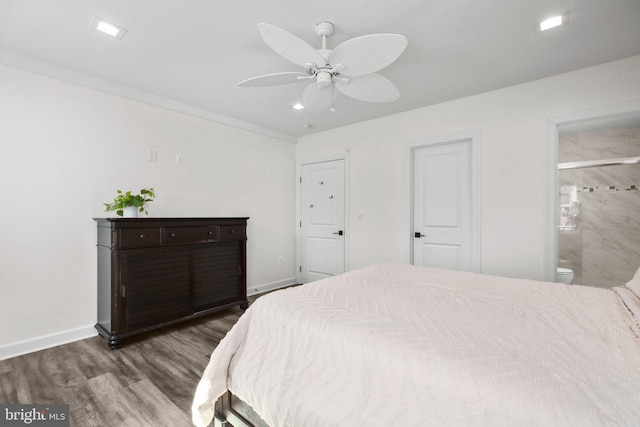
x,y
603,247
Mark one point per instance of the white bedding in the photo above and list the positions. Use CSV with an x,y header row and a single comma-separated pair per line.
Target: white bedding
x,y
399,345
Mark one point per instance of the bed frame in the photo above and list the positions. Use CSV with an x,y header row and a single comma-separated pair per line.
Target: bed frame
x,y
233,412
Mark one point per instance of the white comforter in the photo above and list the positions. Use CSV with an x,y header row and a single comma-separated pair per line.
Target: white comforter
x,y
398,345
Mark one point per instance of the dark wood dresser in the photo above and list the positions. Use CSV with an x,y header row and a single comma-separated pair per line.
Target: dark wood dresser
x,y
153,272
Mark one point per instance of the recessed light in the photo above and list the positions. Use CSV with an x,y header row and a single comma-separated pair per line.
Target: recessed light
x,y
108,28
306,126
297,106
552,22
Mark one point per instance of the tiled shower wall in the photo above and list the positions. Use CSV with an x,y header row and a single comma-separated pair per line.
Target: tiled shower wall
x,y
602,243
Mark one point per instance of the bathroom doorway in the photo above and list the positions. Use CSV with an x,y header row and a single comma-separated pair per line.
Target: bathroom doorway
x,y
597,200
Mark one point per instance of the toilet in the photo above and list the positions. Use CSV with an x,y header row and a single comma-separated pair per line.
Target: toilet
x,y
564,275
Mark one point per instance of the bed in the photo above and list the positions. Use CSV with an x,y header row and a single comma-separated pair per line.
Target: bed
x,y
401,345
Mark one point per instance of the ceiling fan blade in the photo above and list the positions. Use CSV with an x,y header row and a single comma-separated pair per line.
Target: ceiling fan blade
x,y
318,97
274,79
368,54
291,47
371,88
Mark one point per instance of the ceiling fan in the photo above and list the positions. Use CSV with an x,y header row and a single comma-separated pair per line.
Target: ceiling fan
x,y
349,68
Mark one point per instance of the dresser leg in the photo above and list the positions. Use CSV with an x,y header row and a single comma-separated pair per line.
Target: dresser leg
x,y
114,343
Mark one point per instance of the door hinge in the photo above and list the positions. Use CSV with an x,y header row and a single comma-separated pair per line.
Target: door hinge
x,y
300,269
123,291
300,180
300,224
239,270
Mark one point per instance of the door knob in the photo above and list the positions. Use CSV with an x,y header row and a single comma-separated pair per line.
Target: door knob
x,y
339,232
418,234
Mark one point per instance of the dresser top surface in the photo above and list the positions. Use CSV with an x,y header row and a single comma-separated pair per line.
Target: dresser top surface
x,y
171,219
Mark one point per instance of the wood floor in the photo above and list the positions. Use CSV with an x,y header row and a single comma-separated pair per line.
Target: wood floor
x,y
148,382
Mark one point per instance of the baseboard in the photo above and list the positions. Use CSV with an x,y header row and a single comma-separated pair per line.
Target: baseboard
x,y
19,348
254,290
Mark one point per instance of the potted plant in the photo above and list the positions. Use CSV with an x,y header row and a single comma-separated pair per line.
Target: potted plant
x,y
128,205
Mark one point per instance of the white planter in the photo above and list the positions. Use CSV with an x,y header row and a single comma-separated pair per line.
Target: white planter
x,y
130,212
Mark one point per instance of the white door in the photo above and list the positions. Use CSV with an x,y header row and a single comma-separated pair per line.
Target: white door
x,y
322,214
442,206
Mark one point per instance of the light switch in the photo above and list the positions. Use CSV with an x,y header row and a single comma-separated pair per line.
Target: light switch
x,y
152,155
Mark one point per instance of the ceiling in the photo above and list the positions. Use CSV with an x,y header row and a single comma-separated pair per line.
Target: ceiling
x,y
190,54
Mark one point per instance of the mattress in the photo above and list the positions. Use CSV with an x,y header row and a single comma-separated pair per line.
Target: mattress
x,y
397,344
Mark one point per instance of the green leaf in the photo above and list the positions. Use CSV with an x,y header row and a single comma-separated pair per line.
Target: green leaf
x,y
125,199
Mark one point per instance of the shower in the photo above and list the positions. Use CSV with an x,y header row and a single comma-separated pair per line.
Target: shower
x,y
598,205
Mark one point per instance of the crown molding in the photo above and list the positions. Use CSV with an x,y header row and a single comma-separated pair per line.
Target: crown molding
x,y
64,74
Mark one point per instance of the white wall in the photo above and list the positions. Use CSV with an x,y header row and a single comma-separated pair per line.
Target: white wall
x,y
513,124
67,148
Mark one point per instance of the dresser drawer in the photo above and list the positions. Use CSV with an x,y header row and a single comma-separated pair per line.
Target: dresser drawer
x,y
190,234
232,232
139,237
